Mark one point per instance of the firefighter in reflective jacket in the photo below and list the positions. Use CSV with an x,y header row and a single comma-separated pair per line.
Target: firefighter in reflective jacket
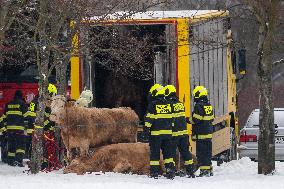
x,y
3,139
31,116
48,125
202,129
180,132
15,112
159,123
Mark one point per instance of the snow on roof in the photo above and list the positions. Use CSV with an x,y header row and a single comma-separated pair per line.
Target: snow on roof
x,y
156,14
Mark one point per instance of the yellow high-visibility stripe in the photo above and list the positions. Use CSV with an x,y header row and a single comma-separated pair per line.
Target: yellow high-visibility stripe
x,y
20,151
46,122
161,132
14,113
209,136
14,106
205,167
154,163
148,115
189,162
180,114
32,114
15,127
2,118
38,127
205,118
180,133
169,160
158,116
11,154
147,124
30,131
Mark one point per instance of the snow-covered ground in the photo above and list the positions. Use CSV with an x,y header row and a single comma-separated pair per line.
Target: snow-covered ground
x,y
236,174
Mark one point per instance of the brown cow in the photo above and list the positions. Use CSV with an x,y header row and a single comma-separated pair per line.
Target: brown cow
x,y
92,127
120,158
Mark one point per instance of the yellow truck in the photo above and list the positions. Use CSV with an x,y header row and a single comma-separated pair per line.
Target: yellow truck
x,y
197,51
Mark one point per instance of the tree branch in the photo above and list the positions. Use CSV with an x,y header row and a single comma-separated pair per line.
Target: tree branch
x,y
276,63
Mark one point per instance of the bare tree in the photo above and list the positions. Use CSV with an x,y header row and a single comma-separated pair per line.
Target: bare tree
x,y
50,48
9,9
266,13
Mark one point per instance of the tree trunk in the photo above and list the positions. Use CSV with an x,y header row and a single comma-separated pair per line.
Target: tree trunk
x,y
37,143
61,79
266,145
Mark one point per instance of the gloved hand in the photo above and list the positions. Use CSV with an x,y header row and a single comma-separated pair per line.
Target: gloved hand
x,y
194,137
189,120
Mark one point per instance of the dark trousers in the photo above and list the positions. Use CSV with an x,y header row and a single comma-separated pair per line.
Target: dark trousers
x,y
16,147
29,139
182,143
158,143
4,149
204,154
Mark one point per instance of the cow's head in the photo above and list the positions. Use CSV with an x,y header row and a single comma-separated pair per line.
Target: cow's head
x,y
57,108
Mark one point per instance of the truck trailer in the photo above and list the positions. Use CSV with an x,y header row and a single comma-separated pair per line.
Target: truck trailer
x,y
196,49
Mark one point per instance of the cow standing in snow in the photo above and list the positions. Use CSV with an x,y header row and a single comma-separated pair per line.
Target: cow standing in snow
x,y
92,127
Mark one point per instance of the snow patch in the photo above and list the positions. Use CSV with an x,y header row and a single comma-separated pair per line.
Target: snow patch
x,y
238,174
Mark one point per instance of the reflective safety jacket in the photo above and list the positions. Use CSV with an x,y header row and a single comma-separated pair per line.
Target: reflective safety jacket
x,y
16,113
2,125
48,125
159,117
202,117
31,116
178,114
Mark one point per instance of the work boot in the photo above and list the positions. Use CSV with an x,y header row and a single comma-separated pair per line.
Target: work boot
x,y
154,175
190,170
170,173
11,162
19,164
44,165
205,173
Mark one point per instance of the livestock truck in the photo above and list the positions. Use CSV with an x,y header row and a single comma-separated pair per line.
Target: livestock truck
x,y
190,48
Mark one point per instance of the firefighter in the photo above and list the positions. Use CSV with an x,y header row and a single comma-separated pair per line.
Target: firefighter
x,y
202,129
159,123
180,133
15,112
151,96
3,139
48,125
31,116
49,146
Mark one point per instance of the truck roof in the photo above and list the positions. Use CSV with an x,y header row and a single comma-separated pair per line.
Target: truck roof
x,y
160,14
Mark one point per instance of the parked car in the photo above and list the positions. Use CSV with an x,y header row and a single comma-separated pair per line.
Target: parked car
x,y
249,135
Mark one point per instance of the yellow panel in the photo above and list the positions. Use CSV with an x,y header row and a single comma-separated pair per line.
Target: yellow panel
x,y
231,78
75,77
75,66
183,64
